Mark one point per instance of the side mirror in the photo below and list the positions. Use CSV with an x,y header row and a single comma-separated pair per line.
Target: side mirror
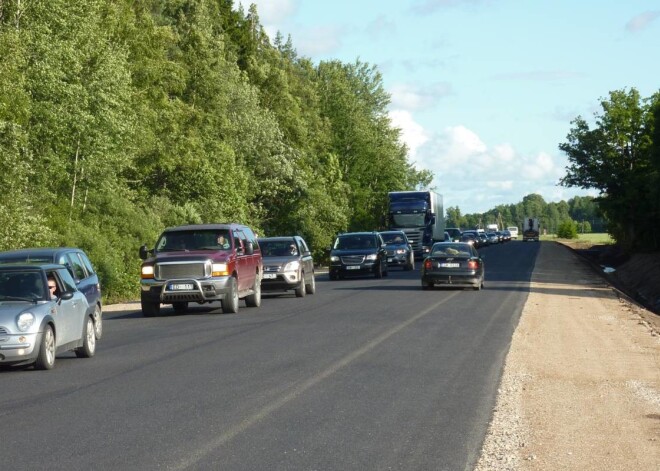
x,y
66,295
249,248
144,252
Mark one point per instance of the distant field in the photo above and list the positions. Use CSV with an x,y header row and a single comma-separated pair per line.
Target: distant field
x,y
592,239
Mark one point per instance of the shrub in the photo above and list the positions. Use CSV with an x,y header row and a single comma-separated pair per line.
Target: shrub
x,y
567,229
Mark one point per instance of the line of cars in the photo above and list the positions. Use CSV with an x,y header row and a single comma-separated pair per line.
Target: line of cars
x,y
194,263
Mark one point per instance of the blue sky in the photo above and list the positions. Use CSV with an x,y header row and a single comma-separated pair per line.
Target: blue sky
x,y
484,90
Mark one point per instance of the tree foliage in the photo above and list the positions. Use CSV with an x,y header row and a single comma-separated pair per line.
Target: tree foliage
x,y
118,119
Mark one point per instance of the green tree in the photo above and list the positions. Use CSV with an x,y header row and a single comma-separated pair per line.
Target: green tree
x,y
615,158
567,229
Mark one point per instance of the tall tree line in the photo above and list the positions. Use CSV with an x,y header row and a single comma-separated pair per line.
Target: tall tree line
x,y
119,118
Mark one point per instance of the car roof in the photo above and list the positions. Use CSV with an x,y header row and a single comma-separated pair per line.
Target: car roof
x,y
30,266
197,227
364,233
40,251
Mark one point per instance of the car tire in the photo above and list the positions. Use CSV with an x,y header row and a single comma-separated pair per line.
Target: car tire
x,y
254,299
149,308
89,341
378,273
98,322
311,286
180,307
427,284
46,356
230,303
411,264
333,276
301,290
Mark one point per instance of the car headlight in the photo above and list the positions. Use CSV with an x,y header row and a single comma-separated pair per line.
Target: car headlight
x,y
334,258
24,321
292,266
372,256
147,271
400,251
219,269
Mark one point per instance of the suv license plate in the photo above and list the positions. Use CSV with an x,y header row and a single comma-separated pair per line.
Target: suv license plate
x,y
269,276
353,267
181,287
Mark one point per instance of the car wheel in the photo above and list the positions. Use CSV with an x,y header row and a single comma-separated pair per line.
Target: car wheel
x,y
427,284
311,286
333,276
89,341
98,322
386,270
254,299
46,357
149,308
230,303
411,265
378,273
301,291
180,307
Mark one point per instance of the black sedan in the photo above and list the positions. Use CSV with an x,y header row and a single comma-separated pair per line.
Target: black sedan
x,y
453,264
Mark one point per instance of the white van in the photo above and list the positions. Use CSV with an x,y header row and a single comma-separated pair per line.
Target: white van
x,y
514,231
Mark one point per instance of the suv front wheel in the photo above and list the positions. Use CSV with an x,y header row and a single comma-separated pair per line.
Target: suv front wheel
x,y
149,307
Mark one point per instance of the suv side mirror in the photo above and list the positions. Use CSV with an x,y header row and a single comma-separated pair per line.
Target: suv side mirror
x,y
249,248
144,252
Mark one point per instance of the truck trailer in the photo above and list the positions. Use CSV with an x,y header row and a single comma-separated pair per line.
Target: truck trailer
x,y
420,214
530,229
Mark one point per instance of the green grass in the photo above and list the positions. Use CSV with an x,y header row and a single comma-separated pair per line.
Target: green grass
x,y
593,239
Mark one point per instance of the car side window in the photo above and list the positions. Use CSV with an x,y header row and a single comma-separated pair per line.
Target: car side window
x,y
66,280
240,240
303,246
77,267
87,263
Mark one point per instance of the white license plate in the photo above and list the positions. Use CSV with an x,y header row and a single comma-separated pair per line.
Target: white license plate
x,y
449,265
390,260
181,286
269,276
353,267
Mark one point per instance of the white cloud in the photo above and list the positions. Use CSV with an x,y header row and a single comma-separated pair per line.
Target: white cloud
x,y
412,133
642,21
317,41
272,12
477,177
418,97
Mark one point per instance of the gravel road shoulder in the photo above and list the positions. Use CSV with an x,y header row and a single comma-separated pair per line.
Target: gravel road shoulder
x,y
580,388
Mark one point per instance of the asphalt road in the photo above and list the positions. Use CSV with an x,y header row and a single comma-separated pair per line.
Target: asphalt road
x,y
366,374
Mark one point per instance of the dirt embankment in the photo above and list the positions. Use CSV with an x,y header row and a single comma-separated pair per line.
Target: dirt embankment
x,y
581,384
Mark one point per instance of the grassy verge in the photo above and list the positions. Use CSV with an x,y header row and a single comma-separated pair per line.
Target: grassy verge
x,y
583,240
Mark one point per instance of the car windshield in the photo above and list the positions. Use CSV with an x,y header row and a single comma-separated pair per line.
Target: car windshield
x,y
277,248
408,220
355,242
206,239
393,237
21,285
450,250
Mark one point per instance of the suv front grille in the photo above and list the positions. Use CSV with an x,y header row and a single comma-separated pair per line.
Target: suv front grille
x,y
352,259
169,270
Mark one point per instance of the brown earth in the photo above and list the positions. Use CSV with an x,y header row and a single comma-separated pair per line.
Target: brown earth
x,y
580,388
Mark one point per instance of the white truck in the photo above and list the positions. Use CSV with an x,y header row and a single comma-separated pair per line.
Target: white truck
x,y
530,229
492,228
514,232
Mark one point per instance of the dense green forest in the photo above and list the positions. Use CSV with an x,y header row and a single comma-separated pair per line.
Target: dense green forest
x,y
120,118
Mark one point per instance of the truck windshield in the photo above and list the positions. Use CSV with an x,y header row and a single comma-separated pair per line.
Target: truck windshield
x,y
408,220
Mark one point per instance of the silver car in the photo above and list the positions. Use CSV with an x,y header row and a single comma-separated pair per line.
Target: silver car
x,y
288,265
42,313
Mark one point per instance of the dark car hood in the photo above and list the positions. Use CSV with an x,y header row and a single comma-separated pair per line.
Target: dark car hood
x,y
343,252
396,246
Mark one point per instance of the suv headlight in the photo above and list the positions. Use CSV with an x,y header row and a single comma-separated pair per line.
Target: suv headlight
x,y
219,269
292,266
371,256
334,258
147,271
24,321
400,251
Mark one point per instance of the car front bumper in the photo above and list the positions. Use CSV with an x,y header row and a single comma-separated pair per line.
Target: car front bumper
x,y
18,349
186,290
280,281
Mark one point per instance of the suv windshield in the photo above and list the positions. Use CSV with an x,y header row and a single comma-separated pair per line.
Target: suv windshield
x,y
354,242
393,237
207,239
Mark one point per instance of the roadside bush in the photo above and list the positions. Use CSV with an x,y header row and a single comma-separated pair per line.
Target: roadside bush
x,y
567,230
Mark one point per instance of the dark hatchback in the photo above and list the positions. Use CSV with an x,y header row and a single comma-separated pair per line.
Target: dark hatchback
x,y
399,250
453,264
78,264
358,253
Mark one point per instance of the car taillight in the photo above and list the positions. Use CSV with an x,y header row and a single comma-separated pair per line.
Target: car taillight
x,y
473,264
428,264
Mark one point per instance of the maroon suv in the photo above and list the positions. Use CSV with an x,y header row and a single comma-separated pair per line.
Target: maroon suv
x,y
201,263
